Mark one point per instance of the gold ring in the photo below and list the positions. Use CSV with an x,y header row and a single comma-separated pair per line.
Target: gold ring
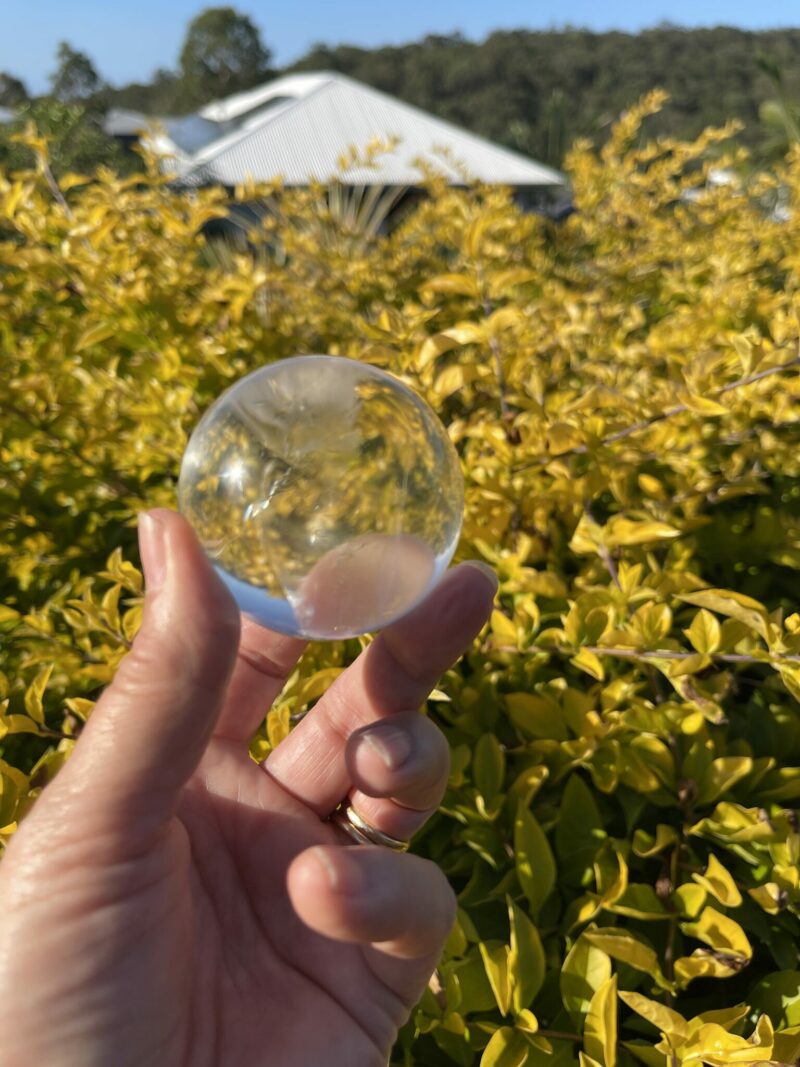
x,y
347,818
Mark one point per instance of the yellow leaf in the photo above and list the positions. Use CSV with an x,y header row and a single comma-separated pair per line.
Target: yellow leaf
x,y
35,693
495,961
101,331
701,404
718,882
503,628
769,897
589,663
18,724
720,933
449,381
506,1048
705,633
587,538
735,605
561,438
622,946
669,1022
689,899
621,531
433,347
600,1029
458,284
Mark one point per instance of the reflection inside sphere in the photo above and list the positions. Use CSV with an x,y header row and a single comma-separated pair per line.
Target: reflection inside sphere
x,y
326,492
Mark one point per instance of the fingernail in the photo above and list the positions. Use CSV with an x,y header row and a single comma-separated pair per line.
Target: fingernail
x,y
484,569
152,548
344,873
391,743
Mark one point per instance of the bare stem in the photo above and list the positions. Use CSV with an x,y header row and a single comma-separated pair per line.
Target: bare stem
x,y
559,1035
55,189
494,346
677,409
633,653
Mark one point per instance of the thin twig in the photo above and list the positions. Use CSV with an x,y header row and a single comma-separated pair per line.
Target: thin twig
x,y
678,409
559,1035
55,189
605,555
632,653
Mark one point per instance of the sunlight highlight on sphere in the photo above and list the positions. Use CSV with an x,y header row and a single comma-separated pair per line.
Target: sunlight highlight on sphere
x,y
327,494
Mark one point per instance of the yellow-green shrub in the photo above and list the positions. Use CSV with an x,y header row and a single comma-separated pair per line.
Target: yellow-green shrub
x,y
623,392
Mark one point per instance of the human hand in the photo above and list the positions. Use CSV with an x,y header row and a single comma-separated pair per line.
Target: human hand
x,y
169,902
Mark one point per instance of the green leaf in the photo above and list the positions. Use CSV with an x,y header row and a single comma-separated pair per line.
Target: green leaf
x,y
489,767
536,716
786,1046
600,1029
778,995
585,969
639,901
536,867
579,832
721,776
647,846
526,965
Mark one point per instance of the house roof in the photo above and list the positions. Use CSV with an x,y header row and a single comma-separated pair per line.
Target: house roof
x,y
299,127
292,86
120,122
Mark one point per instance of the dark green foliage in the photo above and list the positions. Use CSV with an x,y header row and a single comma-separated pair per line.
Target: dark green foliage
x,y
222,54
13,93
75,78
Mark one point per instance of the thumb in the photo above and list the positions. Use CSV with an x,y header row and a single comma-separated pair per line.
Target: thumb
x,y
151,726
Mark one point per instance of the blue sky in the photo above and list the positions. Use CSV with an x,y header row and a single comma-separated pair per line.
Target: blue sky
x,y
129,40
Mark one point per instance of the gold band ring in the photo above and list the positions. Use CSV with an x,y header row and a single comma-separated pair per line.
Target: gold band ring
x,y
347,818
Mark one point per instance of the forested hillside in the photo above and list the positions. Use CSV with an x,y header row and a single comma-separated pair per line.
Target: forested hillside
x,y
534,91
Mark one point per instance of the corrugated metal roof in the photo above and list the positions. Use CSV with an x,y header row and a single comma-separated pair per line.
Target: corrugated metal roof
x,y
302,140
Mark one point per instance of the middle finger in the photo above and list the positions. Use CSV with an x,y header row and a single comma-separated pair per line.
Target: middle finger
x,y
395,673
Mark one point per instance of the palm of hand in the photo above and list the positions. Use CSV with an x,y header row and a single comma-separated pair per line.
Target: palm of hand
x,y
170,903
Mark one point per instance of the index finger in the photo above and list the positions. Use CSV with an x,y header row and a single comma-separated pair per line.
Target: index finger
x,y
263,663
395,673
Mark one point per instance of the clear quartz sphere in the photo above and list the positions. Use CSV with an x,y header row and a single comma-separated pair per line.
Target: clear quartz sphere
x,y
327,494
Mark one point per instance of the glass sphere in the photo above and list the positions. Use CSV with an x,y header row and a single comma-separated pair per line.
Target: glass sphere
x,y
327,494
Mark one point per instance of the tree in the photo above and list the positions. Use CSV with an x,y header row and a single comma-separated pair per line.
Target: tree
x,y
13,93
222,53
75,78
75,137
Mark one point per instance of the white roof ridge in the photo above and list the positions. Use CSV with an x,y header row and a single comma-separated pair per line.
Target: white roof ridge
x,y
265,91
